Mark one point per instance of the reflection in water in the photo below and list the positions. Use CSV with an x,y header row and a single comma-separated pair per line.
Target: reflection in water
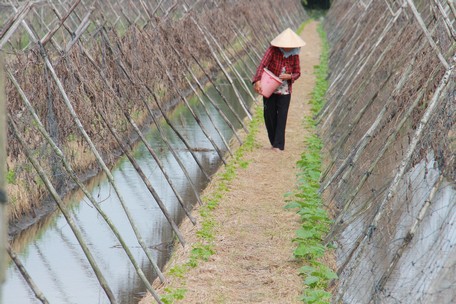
x,y
51,253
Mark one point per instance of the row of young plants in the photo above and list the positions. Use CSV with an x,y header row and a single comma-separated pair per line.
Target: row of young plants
x,y
307,200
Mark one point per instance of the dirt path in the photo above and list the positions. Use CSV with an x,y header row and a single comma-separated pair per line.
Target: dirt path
x,y
253,262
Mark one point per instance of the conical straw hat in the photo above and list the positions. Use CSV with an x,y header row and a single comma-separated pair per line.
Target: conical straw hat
x,y
288,39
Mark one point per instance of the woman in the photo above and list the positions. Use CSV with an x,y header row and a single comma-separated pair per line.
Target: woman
x,y
282,59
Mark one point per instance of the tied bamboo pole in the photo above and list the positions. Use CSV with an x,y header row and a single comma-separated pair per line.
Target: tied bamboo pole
x,y
98,157
228,77
361,243
74,177
65,212
407,238
360,148
138,169
225,100
38,293
138,131
197,119
211,101
3,197
156,100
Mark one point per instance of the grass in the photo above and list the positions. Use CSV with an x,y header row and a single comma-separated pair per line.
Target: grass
x,y
308,202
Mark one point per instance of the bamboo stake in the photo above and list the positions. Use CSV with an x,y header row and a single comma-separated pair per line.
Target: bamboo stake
x,y
452,8
392,189
74,177
143,139
162,134
18,18
162,168
212,102
359,70
161,63
247,43
341,74
413,144
198,121
88,140
65,213
171,125
372,71
225,100
239,97
246,68
233,55
428,35
143,177
260,42
163,113
3,194
447,21
62,20
38,293
377,159
173,152
205,108
209,116
408,237
247,88
365,139
79,31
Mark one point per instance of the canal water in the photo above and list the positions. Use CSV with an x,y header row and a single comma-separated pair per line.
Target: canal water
x,y
53,257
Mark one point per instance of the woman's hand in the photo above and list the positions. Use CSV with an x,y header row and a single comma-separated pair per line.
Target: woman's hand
x,y
257,87
285,76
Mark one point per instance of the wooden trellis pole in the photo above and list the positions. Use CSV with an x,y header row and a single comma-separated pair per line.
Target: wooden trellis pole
x,y
81,185
3,196
94,151
38,293
360,148
225,100
361,242
228,77
212,102
162,112
407,238
65,212
138,169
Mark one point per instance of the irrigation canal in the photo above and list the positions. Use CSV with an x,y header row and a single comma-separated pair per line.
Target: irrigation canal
x,y
50,251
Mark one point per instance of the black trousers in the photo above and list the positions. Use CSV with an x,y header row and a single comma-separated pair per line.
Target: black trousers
x,y
275,109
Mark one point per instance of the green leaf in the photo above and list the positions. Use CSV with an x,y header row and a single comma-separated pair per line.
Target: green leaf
x,y
306,269
327,273
311,281
292,205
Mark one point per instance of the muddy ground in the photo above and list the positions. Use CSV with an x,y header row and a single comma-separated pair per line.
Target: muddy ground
x,y
254,260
